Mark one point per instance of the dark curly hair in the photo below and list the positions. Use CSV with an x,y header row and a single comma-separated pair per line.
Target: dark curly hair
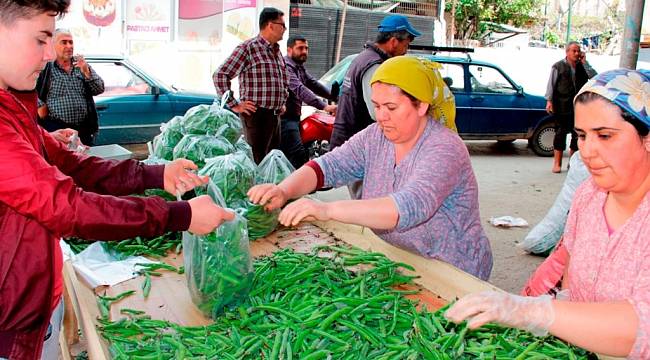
x,y
12,10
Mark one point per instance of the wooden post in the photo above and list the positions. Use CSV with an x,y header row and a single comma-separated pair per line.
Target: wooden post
x,y
339,43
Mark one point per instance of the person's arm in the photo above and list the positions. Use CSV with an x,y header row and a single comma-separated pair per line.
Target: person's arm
x,y
302,91
230,69
549,90
316,86
606,328
341,166
94,82
591,72
367,91
378,213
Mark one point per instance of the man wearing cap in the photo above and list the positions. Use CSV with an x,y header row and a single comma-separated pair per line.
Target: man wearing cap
x,y
355,111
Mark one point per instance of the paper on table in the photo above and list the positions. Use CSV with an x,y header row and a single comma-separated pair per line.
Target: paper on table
x,y
98,267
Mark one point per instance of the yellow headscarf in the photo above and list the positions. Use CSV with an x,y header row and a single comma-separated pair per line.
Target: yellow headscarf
x,y
421,79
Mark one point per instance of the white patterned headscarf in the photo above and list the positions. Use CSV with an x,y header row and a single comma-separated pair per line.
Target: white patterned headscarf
x,y
629,89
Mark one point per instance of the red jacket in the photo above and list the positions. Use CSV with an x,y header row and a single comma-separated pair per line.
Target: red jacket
x,y
47,192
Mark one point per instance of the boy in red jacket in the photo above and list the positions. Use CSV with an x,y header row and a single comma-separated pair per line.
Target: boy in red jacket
x,y
47,191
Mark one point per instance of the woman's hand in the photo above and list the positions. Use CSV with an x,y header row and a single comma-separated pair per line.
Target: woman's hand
x,y
178,177
206,215
269,195
534,314
304,209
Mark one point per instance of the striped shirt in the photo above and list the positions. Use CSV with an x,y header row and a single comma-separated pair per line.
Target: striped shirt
x,y
433,187
263,77
66,99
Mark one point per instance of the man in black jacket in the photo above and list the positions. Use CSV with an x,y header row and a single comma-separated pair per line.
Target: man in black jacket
x,y
66,88
567,77
355,111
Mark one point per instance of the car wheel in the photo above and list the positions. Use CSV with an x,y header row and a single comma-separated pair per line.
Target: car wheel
x,y
542,140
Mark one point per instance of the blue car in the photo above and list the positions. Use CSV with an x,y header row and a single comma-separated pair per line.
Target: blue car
x,y
134,103
489,104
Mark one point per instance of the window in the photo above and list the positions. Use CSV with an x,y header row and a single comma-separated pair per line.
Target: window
x,y
120,80
453,76
489,80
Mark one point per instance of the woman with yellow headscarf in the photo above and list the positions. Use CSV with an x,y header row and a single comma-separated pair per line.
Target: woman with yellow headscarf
x,y
419,190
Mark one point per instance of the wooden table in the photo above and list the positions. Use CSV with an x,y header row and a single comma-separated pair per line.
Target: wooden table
x,y
170,300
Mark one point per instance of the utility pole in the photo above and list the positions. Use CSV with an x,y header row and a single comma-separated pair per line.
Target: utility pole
x,y
568,23
545,11
453,23
631,34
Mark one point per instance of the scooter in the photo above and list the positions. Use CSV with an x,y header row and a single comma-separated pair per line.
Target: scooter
x,y
316,129
315,133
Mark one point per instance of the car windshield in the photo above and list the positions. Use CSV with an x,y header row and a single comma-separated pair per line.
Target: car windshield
x,y
337,72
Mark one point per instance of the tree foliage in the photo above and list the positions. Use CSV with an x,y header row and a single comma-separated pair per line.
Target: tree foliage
x,y
470,14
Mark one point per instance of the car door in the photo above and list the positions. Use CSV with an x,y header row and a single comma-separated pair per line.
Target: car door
x,y
131,108
454,76
498,107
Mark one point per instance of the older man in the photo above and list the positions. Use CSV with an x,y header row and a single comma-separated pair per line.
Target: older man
x,y
567,77
263,83
303,88
66,88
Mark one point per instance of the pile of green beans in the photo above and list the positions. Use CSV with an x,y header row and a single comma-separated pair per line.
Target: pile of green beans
x,y
155,247
309,307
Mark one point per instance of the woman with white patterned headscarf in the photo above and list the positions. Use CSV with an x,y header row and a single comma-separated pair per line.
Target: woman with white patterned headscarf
x,y
607,277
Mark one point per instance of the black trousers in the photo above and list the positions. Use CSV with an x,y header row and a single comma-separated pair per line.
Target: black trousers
x,y
564,124
291,142
262,131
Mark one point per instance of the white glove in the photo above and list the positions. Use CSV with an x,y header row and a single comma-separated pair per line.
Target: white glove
x,y
534,314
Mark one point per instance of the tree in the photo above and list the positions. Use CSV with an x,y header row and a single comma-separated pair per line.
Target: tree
x,y
470,14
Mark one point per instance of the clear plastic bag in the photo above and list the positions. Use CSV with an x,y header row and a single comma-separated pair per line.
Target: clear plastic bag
x,y
234,174
260,221
543,237
200,147
274,168
170,135
218,266
214,120
243,146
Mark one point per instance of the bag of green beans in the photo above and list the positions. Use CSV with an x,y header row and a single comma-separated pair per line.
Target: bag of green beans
x,y
234,174
170,135
200,147
214,120
243,146
218,266
260,221
274,168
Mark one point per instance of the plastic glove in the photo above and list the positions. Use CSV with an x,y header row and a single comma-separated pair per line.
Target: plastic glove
x,y
534,314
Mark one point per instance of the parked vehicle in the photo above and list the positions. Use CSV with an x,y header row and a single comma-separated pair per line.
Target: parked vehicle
x,y
489,104
135,103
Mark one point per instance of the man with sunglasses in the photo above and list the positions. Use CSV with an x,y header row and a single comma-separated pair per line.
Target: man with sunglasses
x,y
263,83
